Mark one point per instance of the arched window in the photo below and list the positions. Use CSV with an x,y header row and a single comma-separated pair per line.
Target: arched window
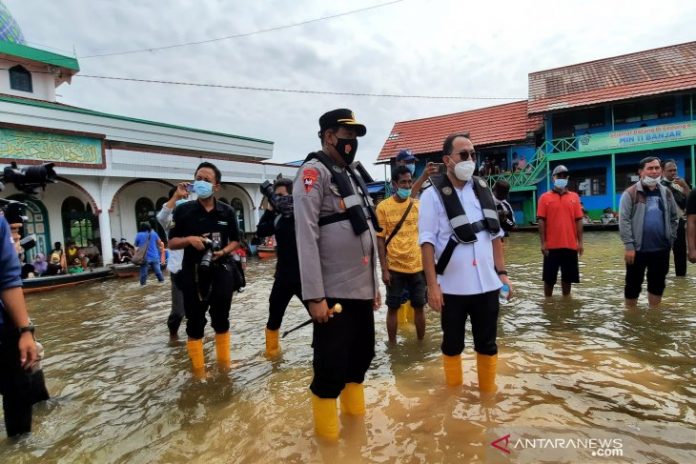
x,y
158,228
20,79
145,212
78,221
238,206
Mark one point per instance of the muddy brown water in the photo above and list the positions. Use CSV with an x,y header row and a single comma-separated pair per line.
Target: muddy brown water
x,y
570,369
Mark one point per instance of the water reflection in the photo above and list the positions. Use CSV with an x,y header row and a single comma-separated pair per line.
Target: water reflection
x,y
581,365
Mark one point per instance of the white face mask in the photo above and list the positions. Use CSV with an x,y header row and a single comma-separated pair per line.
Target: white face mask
x,y
650,181
463,170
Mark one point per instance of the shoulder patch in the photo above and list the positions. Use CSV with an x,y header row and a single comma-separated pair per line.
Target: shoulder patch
x,y
310,176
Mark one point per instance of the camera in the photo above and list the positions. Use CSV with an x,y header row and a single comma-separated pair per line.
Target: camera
x,y
268,192
27,180
30,179
211,246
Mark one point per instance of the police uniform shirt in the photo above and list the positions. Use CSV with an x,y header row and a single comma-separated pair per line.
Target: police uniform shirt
x,y
471,270
334,262
191,218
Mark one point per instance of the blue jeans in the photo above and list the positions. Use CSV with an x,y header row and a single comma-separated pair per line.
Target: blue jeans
x,y
155,267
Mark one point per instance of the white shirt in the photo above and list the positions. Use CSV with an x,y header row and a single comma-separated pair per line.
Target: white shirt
x,y
164,217
471,271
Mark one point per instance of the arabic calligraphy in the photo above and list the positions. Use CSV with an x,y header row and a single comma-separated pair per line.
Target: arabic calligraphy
x,y
40,146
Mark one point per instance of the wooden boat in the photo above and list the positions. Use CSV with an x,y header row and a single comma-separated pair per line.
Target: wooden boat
x,y
125,270
43,284
266,251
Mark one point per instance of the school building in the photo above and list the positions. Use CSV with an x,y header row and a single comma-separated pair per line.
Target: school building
x,y
598,118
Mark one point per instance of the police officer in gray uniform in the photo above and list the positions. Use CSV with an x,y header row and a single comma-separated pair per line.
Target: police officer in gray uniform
x,y
335,226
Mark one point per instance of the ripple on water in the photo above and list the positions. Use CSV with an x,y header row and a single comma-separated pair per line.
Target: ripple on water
x,y
581,365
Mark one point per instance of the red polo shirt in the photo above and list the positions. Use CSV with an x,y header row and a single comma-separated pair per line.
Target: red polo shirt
x,y
560,213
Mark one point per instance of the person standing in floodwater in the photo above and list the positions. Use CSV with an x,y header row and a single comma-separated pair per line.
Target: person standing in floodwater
x,y
648,227
335,225
458,225
560,218
18,350
207,231
680,190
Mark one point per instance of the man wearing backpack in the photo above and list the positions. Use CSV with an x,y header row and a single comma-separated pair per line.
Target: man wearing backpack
x,y
399,253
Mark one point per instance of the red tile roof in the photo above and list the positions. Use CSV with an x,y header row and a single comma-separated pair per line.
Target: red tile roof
x,y
649,72
486,126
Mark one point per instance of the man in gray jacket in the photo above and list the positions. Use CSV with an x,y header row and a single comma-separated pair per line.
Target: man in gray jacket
x,y
648,227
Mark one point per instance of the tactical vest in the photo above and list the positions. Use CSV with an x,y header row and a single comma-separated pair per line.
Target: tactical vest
x,y
464,230
353,201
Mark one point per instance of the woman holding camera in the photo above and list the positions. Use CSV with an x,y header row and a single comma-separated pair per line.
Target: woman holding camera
x,y
207,231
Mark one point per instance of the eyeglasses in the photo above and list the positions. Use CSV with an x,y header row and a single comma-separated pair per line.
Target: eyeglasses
x,y
466,154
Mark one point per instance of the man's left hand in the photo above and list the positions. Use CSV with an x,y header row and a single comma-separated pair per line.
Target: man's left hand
x,y
377,303
27,350
581,249
506,280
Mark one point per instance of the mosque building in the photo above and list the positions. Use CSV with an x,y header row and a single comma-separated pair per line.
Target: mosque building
x,y
113,172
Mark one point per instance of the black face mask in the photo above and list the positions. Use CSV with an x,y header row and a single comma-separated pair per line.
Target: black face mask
x,y
285,205
347,148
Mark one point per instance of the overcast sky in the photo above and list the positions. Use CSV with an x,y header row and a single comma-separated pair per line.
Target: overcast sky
x,y
412,47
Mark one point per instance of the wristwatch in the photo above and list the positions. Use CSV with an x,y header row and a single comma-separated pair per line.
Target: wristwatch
x,y
28,328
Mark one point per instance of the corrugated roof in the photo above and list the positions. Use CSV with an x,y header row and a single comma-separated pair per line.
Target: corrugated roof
x,y
486,126
35,54
645,73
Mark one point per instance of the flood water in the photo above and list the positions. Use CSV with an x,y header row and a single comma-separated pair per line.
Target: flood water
x,y
570,368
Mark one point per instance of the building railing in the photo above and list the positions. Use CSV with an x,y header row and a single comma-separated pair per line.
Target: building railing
x,y
533,172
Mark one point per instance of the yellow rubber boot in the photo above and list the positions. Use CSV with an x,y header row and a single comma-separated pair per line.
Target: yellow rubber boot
x,y
410,316
453,369
272,343
222,349
195,351
353,399
325,417
401,315
486,366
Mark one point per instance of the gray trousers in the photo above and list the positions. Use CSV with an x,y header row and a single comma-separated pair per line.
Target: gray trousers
x,y
177,313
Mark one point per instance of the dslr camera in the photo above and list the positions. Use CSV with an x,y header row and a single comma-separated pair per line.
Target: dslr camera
x,y
268,192
30,179
211,246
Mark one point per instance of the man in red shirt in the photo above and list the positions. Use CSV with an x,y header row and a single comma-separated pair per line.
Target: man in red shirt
x,y
560,230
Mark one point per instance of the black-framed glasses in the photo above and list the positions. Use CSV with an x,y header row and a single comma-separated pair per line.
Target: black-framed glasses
x,y
467,154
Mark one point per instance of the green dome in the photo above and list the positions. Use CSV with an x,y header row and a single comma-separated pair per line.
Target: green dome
x,y
9,29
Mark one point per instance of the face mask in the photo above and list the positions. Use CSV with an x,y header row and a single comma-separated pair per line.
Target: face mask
x,y
202,188
403,193
650,181
284,203
347,148
411,168
463,170
560,183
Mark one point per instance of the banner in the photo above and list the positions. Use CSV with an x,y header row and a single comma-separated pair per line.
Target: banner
x,y
639,136
48,147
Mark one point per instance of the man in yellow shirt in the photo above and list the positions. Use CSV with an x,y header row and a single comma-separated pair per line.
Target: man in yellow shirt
x,y
399,253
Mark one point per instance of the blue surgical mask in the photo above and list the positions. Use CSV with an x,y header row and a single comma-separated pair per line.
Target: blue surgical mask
x,y
560,183
411,168
403,193
203,189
